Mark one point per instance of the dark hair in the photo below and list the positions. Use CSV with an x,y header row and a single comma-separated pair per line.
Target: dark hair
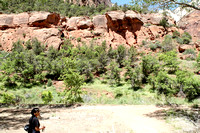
x,y
34,110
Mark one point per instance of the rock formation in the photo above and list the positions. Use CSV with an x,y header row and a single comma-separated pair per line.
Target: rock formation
x,y
191,24
115,27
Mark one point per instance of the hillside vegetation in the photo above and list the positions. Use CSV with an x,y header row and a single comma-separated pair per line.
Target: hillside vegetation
x,y
122,72
59,6
126,75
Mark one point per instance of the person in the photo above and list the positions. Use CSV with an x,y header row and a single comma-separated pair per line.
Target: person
x,y
34,122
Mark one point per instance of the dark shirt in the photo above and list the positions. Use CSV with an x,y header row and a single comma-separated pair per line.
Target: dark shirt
x,y
34,122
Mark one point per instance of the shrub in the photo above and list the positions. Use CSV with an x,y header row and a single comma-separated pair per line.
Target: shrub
x,y
8,98
169,61
190,52
198,61
28,45
121,53
163,84
164,23
114,73
134,77
144,43
37,47
149,65
179,40
47,97
175,34
167,44
186,37
73,81
49,82
18,47
79,39
153,46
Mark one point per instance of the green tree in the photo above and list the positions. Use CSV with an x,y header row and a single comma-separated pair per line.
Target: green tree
x,y
170,61
121,54
149,65
188,84
114,73
169,4
163,84
73,82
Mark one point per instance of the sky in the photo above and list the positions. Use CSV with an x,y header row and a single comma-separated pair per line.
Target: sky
x,y
121,2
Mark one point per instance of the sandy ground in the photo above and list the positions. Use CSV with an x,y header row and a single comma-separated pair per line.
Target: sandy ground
x,y
89,119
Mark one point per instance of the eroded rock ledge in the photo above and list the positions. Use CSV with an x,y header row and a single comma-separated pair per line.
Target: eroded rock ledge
x,y
115,27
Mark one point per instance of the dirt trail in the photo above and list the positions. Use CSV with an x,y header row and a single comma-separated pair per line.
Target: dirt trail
x,y
89,119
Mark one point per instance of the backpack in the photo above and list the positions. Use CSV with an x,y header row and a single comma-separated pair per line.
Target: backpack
x,y
27,127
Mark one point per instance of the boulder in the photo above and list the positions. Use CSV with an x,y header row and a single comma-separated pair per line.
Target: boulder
x,y
43,19
43,34
53,41
183,47
84,23
6,21
100,22
124,25
21,19
72,23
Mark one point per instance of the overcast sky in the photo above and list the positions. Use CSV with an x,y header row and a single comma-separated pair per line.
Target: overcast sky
x,y
121,2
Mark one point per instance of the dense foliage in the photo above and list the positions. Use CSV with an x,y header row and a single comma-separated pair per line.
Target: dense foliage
x,y
31,64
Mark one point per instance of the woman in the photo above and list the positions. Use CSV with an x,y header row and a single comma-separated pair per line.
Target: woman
x,y
34,122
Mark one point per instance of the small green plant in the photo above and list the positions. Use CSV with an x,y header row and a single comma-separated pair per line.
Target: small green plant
x,y
47,97
153,46
49,82
185,38
144,43
164,23
24,35
175,34
78,39
179,40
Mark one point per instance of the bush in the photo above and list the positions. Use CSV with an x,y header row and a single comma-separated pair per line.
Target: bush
x,y
79,39
176,34
190,52
167,44
121,53
47,97
170,61
186,37
114,73
149,65
179,40
164,23
49,82
163,84
153,46
8,98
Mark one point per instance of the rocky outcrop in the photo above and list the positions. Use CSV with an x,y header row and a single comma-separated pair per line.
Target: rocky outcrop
x,y
115,27
191,23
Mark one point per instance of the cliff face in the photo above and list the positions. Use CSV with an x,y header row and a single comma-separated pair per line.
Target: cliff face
x,y
115,27
91,2
191,24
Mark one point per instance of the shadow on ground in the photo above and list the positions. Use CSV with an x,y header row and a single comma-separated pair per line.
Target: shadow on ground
x,y
16,118
189,113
